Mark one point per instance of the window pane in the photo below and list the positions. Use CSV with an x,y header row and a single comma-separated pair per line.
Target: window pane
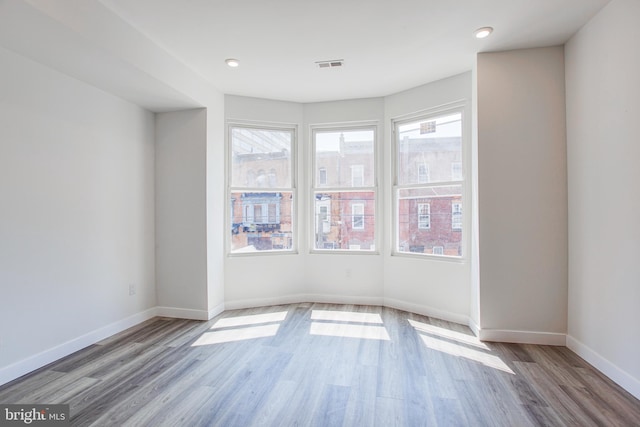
x,y
345,220
437,207
261,158
429,149
261,221
345,158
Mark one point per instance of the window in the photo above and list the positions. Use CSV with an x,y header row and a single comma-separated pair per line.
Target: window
x,y
357,216
423,173
261,189
344,200
424,216
456,216
322,176
428,204
357,175
323,224
456,171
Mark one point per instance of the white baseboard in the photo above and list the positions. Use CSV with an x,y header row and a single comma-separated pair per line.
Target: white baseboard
x,y
522,337
182,313
298,298
347,299
611,370
216,310
474,327
263,302
426,311
22,367
344,299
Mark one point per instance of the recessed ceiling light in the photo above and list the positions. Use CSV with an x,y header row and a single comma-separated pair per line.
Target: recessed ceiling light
x,y
483,32
233,63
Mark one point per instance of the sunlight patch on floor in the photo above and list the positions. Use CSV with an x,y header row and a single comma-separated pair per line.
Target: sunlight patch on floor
x,y
252,319
241,328
459,350
346,316
240,334
448,333
367,332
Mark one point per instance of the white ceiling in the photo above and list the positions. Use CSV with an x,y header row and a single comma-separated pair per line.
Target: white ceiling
x,y
159,52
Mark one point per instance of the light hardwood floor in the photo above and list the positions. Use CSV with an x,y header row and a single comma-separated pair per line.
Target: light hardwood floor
x,y
322,365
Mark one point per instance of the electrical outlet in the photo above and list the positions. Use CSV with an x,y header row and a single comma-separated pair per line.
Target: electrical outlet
x,y
132,289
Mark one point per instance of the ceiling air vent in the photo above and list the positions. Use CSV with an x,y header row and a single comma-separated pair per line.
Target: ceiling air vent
x,y
330,64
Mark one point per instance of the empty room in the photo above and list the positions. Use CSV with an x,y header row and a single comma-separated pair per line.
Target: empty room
x,y
301,213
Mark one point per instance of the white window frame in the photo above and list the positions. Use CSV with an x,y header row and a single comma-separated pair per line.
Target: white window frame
x,y
316,186
256,188
460,107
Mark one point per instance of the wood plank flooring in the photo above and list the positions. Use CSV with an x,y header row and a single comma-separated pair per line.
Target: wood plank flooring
x,y
322,365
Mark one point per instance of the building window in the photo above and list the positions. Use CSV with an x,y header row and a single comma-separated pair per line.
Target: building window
x,y
323,216
428,205
357,175
357,216
261,203
344,203
456,171
423,173
424,216
322,176
456,216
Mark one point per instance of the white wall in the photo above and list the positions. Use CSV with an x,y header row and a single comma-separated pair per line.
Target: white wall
x,y
474,305
76,215
522,195
433,287
181,213
348,277
603,135
215,203
258,280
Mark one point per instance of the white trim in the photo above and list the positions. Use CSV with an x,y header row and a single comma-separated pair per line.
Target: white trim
x,y
183,313
302,298
608,368
345,299
263,302
349,299
522,337
474,327
22,367
426,311
215,311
